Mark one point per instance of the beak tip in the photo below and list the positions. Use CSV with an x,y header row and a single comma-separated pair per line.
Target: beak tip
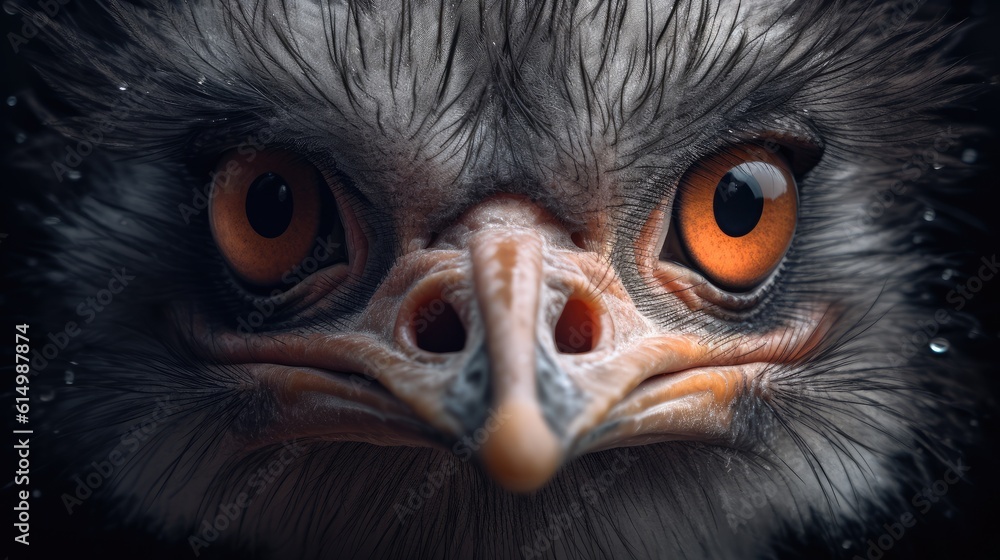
x,y
522,454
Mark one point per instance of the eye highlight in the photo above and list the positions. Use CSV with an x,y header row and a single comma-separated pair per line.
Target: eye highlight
x,y
734,217
269,213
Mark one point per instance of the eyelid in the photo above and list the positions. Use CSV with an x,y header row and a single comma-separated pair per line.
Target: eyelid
x,y
798,141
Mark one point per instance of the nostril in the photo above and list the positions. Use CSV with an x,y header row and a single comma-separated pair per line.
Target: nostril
x,y
577,328
438,328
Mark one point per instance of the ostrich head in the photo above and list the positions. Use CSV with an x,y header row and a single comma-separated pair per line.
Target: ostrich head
x,y
494,278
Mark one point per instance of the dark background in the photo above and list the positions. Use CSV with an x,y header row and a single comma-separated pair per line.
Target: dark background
x,y
968,526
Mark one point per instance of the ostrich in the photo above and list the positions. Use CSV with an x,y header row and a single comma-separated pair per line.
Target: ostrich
x,y
492,279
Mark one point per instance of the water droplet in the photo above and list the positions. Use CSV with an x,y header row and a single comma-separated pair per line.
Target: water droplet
x,y
939,345
846,544
202,80
51,221
11,101
73,175
20,137
9,8
929,215
74,363
970,156
47,395
948,273
123,86
70,377
938,166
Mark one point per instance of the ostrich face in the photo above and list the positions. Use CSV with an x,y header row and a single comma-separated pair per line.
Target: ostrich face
x,y
576,324
505,309
540,244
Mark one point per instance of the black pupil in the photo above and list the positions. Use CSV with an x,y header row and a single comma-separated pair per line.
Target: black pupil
x,y
739,202
269,205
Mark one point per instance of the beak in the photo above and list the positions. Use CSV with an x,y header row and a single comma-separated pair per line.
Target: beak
x,y
512,344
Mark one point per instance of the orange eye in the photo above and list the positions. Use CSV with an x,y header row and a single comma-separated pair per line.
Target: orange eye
x,y
270,213
735,215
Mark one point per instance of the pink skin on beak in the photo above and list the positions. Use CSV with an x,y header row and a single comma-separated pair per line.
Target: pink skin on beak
x,y
507,271
505,335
